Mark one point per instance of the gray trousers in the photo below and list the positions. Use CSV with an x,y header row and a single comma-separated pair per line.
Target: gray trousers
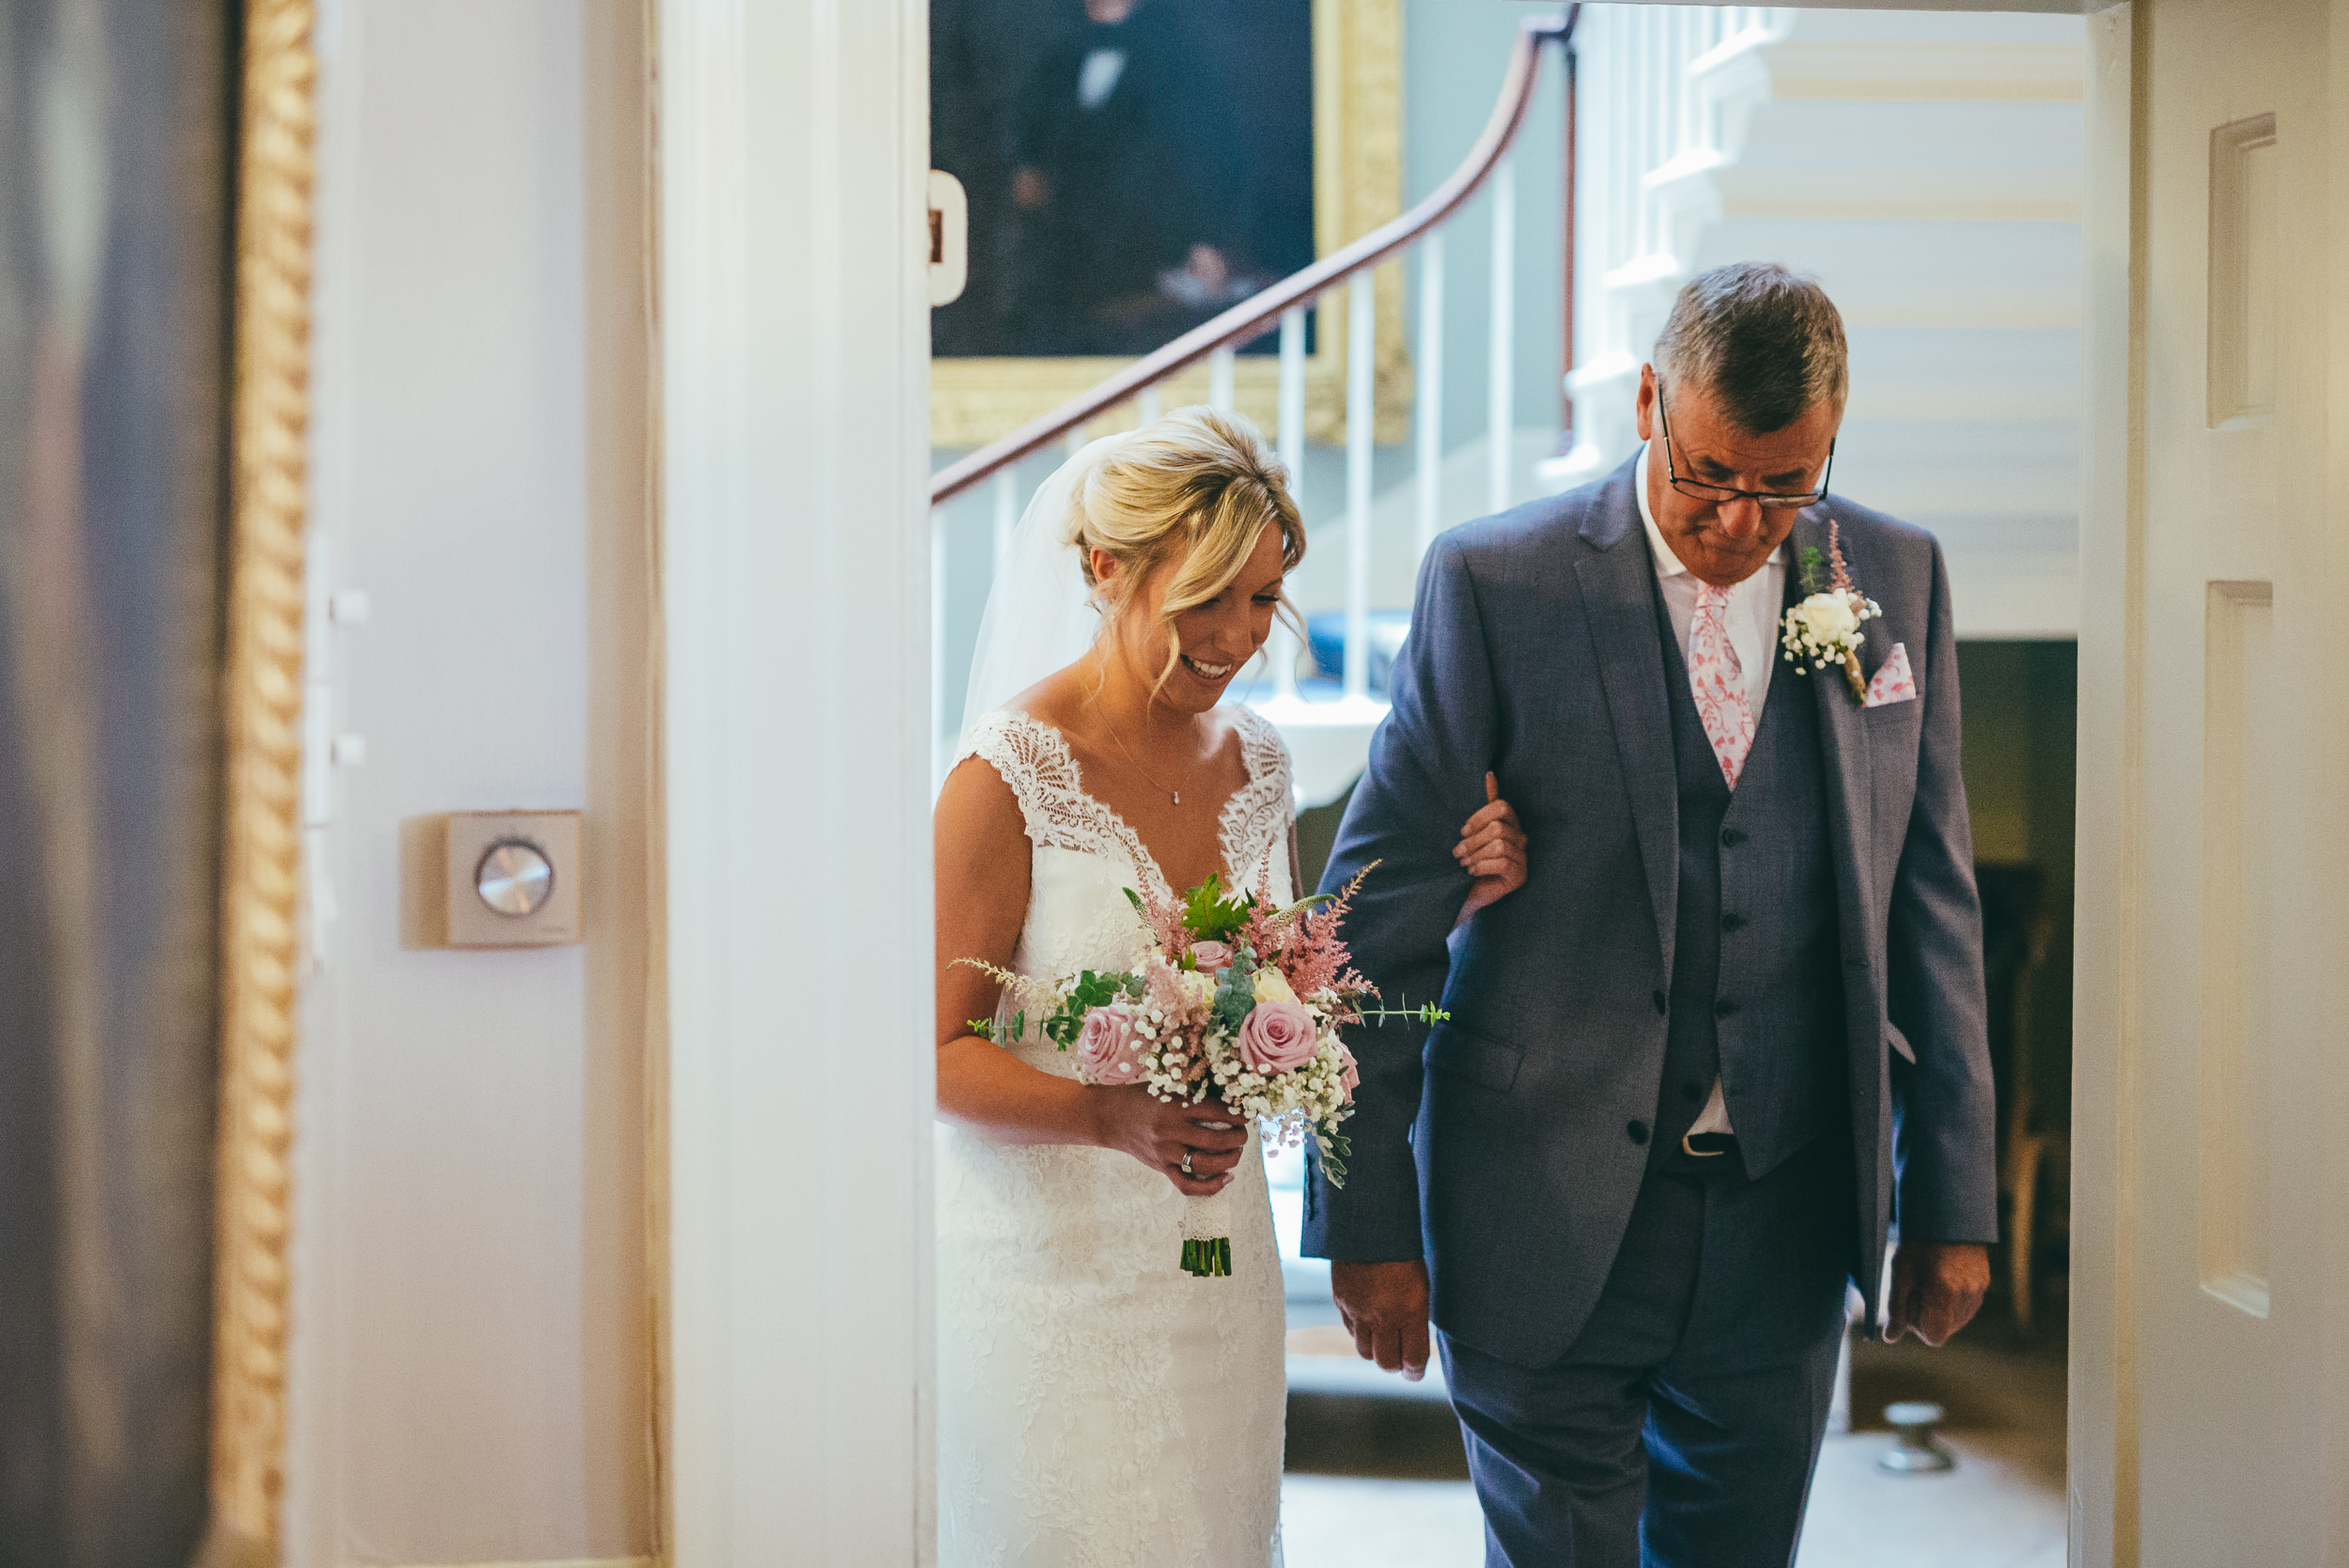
x,y
1682,1426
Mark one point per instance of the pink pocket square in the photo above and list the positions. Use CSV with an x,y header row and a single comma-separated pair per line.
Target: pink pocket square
x,y
1893,683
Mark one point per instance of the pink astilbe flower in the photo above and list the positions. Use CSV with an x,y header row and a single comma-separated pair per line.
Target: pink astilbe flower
x,y
1316,958
1171,993
1165,921
1839,575
1268,937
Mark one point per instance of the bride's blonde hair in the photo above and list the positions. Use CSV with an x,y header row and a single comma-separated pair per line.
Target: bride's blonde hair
x,y
1190,495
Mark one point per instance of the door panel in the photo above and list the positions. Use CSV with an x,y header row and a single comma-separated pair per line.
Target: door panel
x,y
2239,987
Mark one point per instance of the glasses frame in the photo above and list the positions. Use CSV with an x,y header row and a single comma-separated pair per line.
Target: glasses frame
x,y
1696,490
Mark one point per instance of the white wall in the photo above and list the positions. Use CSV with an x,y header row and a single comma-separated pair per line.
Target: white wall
x,y
470,1343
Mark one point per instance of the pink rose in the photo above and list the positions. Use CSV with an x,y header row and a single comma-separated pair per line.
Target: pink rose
x,y
1211,956
1107,1048
1351,1078
1277,1037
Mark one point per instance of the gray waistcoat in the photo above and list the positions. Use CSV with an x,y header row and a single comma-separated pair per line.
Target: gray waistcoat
x,y
1757,992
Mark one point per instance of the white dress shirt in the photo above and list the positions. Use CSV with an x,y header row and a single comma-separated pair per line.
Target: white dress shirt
x,y
1752,618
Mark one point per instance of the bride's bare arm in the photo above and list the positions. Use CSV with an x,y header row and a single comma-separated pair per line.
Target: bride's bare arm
x,y
982,853
983,858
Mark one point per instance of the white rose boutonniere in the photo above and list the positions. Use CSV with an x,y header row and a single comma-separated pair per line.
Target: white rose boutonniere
x,y
1823,629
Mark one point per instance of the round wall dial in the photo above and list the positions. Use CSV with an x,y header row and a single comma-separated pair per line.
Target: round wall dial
x,y
515,877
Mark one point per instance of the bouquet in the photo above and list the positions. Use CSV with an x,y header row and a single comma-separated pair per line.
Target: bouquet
x,y
1236,1001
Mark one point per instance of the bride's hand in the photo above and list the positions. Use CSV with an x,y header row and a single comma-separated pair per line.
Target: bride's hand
x,y
1492,848
1133,1122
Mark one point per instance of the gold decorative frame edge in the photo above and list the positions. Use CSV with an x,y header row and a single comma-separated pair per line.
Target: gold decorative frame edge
x,y
261,856
1357,185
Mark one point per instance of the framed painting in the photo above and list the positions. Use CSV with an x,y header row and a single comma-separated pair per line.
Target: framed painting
x,y
260,903
1136,167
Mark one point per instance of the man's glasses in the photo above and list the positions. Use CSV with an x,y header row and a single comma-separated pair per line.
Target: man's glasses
x,y
1696,490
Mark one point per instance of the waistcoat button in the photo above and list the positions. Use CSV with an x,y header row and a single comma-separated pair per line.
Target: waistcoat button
x,y
1732,838
1732,923
1637,1132
1723,1008
1660,1000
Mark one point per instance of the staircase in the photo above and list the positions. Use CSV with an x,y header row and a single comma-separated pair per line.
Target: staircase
x,y
1927,168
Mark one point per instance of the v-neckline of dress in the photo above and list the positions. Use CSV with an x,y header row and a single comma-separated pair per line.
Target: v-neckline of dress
x,y
1144,861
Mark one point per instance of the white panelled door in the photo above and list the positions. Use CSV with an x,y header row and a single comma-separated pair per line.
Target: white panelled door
x,y
2233,1227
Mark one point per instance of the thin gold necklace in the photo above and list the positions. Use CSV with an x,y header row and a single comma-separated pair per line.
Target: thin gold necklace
x,y
1173,795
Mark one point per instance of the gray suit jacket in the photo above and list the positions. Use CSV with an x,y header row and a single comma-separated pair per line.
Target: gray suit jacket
x,y
1495,1144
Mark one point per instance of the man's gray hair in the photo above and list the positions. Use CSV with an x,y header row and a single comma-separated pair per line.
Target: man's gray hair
x,y
1764,342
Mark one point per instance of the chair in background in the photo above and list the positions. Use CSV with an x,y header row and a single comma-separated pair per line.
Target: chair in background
x,y
2017,928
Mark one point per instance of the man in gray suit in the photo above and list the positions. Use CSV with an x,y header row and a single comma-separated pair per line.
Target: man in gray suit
x,y
1730,1028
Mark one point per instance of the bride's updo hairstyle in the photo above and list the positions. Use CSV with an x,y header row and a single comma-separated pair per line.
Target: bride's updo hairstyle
x,y
1188,496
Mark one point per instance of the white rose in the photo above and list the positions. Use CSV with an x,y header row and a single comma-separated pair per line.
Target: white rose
x,y
1270,986
1829,618
1201,986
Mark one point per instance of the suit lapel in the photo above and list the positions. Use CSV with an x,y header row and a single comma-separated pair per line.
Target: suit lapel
x,y
1618,587
1851,824
1843,741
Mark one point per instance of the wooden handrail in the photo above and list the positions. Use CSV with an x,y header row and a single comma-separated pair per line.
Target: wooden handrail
x,y
1259,313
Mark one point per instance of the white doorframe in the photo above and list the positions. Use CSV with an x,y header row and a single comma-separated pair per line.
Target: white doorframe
x,y
2102,1449
795,1338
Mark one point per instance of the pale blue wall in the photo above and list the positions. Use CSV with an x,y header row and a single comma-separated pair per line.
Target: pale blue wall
x,y
1454,53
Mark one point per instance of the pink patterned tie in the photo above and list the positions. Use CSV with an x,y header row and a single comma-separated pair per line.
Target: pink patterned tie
x,y
1717,682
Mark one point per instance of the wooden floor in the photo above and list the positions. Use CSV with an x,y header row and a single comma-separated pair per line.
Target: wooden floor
x,y
1381,1481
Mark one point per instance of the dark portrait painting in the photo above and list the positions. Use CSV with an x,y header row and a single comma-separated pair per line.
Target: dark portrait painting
x,y
115,157
1134,167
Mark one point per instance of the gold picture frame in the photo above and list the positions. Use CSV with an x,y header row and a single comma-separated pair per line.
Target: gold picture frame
x,y
1357,185
261,854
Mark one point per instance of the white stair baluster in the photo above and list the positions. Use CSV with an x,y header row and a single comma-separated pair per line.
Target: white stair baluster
x,y
1291,436
1282,649
1647,68
1428,416
1220,366
1501,408
1692,45
1362,344
1148,405
1006,513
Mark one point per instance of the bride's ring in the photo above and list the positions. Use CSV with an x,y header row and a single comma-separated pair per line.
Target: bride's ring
x,y
1187,1169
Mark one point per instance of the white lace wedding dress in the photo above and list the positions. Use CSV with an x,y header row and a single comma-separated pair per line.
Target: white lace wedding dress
x,y
1098,1407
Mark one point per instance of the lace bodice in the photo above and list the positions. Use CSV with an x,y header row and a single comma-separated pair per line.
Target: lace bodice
x,y
1071,926
1098,1408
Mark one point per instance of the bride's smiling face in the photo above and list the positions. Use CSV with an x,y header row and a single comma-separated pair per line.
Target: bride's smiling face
x,y
1217,637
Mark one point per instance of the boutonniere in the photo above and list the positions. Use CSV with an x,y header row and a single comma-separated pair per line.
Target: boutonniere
x,y
1823,629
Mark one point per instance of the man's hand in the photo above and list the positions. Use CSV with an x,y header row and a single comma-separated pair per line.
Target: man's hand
x,y
1938,1287
1385,1305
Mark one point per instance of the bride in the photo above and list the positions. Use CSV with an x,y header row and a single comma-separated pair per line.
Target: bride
x,y
1098,1407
